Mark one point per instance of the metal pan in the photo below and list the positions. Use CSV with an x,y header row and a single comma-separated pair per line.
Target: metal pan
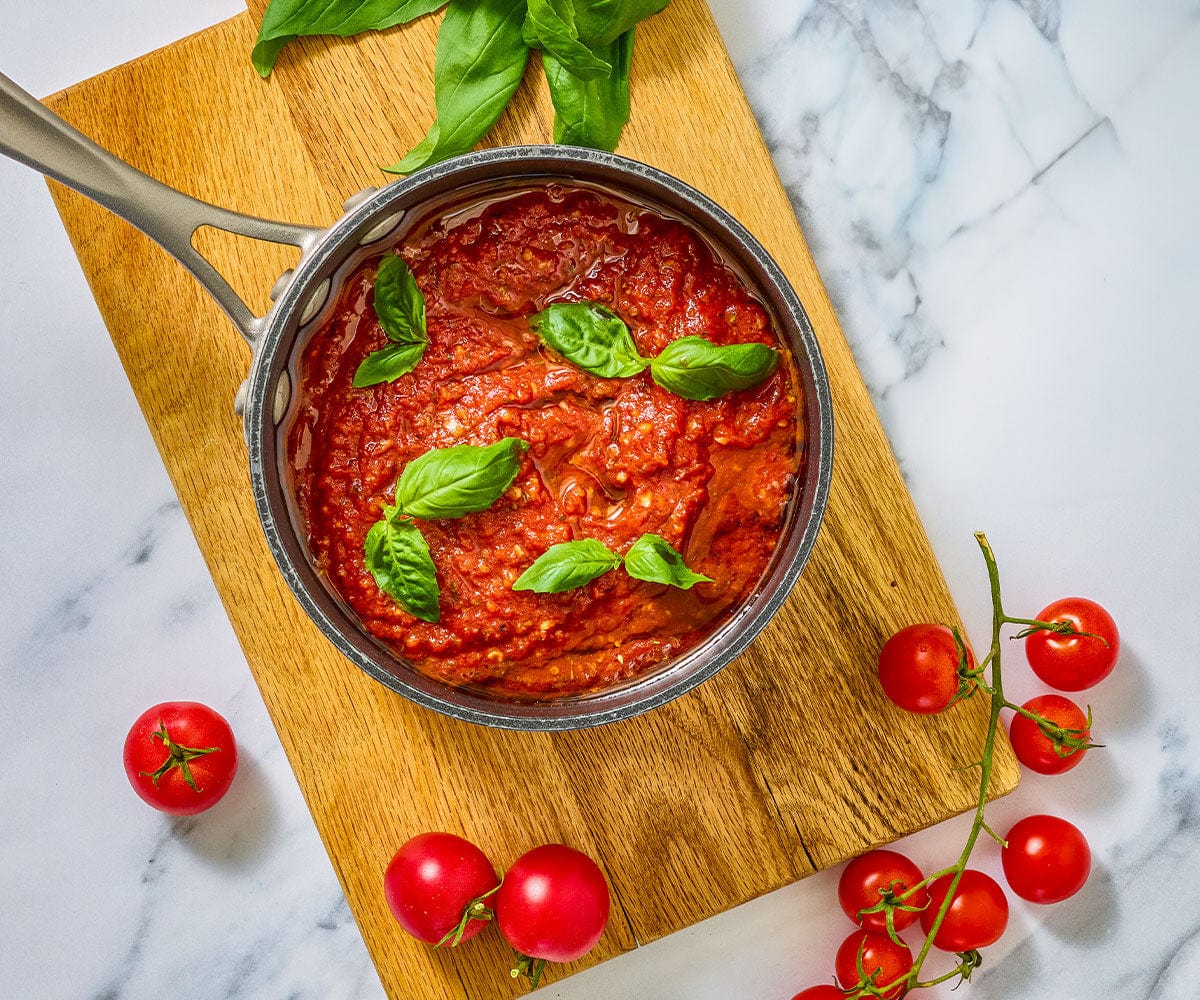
x,y
34,136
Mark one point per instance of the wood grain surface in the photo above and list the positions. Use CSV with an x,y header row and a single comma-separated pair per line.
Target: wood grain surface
x,y
790,760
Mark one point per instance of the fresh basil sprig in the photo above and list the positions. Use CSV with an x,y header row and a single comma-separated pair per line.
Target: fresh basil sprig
x,y
482,49
591,111
591,337
596,339
286,20
463,479
444,482
400,307
570,565
398,557
567,566
695,368
654,559
480,60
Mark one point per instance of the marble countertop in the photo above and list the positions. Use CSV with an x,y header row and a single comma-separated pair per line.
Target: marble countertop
x,y
1002,199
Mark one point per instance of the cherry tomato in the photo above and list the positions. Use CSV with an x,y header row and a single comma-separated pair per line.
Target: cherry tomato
x,y
1047,859
918,668
880,954
977,915
180,757
861,883
432,880
1074,662
1034,748
821,993
553,904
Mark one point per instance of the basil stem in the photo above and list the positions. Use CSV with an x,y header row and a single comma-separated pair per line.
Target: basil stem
x,y
286,20
481,57
591,337
695,368
397,555
567,566
463,479
654,559
400,307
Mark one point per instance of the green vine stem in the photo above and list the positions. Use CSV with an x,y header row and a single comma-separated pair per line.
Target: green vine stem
x,y
987,677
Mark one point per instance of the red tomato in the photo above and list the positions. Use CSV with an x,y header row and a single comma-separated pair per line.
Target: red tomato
x,y
180,757
881,958
1074,662
1034,748
918,668
432,880
866,877
977,915
821,993
1047,859
553,904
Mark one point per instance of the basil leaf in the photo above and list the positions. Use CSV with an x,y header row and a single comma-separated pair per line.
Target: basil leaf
x,y
695,368
601,22
590,336
550,25
397,555
463,479
388,364
654,559
480,59
286,20
591,112
399,303
567,566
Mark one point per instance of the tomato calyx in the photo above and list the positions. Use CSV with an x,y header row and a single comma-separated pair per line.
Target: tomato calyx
x,y
476,909
889,902
177,757
1032,625
530,969
968,676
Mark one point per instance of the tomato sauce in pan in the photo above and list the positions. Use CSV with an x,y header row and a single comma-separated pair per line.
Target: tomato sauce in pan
x,y
608,459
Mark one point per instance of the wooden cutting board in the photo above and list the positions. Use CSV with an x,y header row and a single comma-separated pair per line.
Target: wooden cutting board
x,y
788,761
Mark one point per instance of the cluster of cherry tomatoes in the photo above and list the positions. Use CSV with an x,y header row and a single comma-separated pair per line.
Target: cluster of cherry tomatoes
x,y
926,668
551,906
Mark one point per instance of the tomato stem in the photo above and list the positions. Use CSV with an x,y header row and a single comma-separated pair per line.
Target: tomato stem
x,y
530,969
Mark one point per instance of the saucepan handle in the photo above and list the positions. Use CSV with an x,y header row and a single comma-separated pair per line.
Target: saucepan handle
x,y
32,134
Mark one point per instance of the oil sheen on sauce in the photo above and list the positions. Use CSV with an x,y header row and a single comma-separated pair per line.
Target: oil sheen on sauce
x,y
608,459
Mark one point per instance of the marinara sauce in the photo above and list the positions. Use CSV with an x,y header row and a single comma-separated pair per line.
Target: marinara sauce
x,y
608,459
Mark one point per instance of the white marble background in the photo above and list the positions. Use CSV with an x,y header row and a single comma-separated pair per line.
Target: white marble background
x,y
1002,198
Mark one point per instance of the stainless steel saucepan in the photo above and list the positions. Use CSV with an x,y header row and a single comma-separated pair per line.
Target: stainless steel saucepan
x,y
34,136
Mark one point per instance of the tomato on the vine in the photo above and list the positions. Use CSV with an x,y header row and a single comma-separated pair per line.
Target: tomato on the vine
x,y
977,916
180,757
1074,662
432,880
821,993
1047,859
1034,748
554,904
882,959
867,877
918,668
